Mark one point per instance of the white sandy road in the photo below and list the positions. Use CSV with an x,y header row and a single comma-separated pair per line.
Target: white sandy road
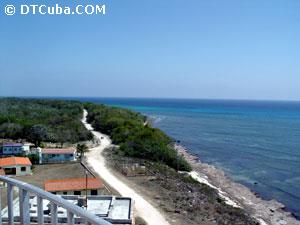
x,y
95,159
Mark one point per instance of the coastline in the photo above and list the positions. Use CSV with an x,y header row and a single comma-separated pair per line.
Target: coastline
x,y
237,195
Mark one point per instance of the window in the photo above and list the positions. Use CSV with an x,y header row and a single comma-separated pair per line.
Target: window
x,y
94,192
65,193
10,171
23,168
53,192
77,192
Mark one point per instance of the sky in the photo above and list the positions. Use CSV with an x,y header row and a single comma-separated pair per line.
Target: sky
x,y
234,49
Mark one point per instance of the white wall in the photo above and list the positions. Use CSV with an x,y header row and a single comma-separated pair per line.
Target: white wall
x,y
72,192
26,148
19,172
27,172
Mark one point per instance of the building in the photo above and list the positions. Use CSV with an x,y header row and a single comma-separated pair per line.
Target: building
x,y
16,166
2,172
57,155
116,210
14,148
74,186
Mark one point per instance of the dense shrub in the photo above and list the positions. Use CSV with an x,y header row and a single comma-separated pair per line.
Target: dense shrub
x,y
45,120
128,129
34,158
40,120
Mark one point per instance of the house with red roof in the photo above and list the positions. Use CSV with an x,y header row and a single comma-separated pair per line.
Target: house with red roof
x,y
74,186
57,155
16,166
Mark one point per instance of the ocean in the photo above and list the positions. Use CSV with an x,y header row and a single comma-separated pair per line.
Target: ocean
x,y
257,143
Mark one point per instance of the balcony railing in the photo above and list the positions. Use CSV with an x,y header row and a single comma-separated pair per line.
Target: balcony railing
x,y
25,190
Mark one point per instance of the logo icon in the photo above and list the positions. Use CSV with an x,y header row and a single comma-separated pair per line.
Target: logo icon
x,y
10,10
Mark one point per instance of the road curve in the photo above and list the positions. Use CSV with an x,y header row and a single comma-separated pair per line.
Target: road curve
x,y
95,160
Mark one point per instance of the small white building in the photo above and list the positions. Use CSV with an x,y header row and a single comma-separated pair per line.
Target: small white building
x,y
57,155
16,166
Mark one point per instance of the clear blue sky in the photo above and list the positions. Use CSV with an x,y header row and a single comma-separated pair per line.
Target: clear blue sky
x,y
172,48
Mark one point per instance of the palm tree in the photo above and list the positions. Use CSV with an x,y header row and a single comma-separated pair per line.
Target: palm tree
x,y
82,148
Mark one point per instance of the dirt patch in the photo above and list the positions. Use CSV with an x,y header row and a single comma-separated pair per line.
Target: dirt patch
x,y
183,200
60,171
52,171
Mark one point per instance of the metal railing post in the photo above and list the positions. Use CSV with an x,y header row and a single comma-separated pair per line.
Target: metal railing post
x,y
10,206
1,193
88,223
53,214
24,207
71,220
40,211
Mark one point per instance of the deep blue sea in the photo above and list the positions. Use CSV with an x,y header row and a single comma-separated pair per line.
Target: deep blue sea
x,y
253,141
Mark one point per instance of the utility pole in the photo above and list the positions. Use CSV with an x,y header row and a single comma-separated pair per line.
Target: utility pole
x,y
87,171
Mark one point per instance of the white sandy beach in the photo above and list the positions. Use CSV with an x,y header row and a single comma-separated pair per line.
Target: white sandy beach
x,y
95,159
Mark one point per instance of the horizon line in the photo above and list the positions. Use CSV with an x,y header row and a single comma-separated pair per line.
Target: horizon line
x,y
166,98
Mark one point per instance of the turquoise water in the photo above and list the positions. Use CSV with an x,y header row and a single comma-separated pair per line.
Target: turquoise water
x,y
256,142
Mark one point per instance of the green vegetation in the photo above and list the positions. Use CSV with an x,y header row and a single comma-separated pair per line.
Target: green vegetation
x,y
81,149
45,120
34,158
39,120
128,129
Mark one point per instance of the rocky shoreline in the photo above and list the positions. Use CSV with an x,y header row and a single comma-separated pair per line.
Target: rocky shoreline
x,y
266,212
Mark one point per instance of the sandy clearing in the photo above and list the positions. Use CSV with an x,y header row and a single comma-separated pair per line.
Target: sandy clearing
x,y
95,159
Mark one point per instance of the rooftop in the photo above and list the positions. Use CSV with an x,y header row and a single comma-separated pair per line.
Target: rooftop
x,y
12,144
58,150
14,161
117,210
70,184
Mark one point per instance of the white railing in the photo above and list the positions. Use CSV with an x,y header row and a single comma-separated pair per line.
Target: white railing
x,y
56,201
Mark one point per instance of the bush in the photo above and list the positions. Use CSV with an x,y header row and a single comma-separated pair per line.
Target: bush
x,y
34,158
127,129
42,120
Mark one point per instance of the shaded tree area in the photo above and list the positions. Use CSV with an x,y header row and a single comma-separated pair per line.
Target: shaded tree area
x,y
81,149
128,129
38,120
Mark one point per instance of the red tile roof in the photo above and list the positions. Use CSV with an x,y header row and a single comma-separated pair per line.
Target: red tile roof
x,y
14,161
58,150
71,184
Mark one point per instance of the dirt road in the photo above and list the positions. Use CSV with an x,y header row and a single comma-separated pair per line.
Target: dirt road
x,y
95,159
